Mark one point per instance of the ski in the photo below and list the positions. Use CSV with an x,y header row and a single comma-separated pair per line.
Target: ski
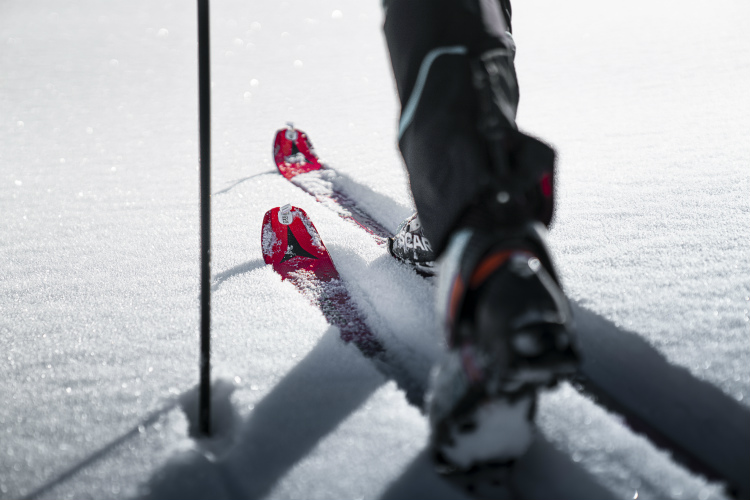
x,y
705,430
292,245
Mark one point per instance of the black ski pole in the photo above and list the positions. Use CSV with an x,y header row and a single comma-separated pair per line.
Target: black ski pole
x,y
204,118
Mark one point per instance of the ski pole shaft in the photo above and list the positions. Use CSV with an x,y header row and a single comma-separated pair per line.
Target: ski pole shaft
x,y
204,117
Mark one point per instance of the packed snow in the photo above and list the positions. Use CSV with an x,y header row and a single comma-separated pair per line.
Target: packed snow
x,y
645,101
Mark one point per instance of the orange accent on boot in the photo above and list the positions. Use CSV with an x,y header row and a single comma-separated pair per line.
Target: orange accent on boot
x,y
488,266
457,293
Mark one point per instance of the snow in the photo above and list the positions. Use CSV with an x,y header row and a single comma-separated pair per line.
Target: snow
x,y
645,103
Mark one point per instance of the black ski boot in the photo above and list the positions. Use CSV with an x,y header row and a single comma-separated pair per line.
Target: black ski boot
x,y
412,247
484,191
509,330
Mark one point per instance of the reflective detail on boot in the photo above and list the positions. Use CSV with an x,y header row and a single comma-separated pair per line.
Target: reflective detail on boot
x,y
527,344
407,115
561,302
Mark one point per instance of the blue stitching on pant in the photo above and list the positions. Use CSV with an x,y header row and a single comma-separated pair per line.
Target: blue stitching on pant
x,y
407,115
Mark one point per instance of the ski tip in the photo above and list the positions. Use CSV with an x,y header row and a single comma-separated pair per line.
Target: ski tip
x,y
290,242
293,152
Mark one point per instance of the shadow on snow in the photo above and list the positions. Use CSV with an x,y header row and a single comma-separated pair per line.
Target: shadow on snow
x,y
317,395
304,407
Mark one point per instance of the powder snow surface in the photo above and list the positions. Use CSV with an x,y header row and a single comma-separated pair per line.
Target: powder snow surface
x,y
646,102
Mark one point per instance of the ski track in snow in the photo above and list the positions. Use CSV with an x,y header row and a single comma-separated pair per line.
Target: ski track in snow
x,y
645,102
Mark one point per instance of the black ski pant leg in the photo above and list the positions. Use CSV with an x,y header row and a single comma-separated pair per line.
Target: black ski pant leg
x,y
430,44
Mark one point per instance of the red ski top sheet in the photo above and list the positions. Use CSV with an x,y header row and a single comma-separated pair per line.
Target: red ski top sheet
x,y
293,246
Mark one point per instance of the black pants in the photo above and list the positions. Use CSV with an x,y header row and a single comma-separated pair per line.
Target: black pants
x,y
430,44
